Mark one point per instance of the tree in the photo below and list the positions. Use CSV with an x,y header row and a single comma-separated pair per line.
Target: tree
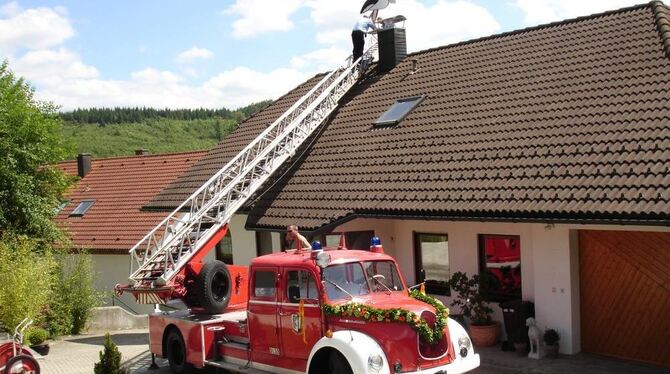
x,y
30,141
26,278
110,359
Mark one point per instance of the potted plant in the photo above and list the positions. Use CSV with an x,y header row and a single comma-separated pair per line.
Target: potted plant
x,y
520,340
37,338
551,338
483,330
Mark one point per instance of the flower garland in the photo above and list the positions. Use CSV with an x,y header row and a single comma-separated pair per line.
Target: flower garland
x,y
368,313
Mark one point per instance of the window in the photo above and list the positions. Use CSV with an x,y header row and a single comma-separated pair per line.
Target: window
x,y
264,284
398,111
354,239
300,285
431,259
82,208
345,281
389,276
500,267
224,249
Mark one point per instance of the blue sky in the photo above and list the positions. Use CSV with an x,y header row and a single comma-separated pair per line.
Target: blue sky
x,y
224,53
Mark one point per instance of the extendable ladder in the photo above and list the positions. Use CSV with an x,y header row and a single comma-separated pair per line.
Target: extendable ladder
x,y
202,218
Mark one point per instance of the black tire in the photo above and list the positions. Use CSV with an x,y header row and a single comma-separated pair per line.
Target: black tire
x,y
337,364
26,360
213,287
176,353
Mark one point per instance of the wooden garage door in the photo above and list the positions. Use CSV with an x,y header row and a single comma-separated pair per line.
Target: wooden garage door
x,y
625,294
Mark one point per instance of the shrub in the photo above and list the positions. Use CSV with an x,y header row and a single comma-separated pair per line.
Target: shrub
x,y
26,269
110,359
73,296
550,337
469,299
37,335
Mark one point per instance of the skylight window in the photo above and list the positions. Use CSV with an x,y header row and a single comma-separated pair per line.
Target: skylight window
x,y
82,208
398,111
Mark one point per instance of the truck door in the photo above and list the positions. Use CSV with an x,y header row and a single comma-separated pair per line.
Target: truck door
x,y
300,328
262,311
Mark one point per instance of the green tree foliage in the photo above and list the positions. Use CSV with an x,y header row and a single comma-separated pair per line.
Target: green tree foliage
x,y
30,140
26,278
73,296
106,116
120,131
157,136
110,359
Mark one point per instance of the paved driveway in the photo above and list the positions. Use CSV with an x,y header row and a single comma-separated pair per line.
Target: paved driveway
x,y
77,355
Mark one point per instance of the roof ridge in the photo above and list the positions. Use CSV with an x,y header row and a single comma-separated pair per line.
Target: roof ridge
x,y
662,17
654,4
142,156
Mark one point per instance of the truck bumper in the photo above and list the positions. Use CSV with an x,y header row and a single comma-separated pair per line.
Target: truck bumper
x,y
461,365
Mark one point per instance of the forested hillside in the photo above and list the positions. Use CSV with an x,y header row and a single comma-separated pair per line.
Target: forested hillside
x,y
107,132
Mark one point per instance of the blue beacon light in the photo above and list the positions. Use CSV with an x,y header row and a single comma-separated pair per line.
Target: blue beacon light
x,y
316,245
376,245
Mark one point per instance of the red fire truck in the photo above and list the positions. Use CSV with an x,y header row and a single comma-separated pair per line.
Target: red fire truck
x,y
320,311
328,310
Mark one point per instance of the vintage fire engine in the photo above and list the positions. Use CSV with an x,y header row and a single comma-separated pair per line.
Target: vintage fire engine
x,y
324,311
321,311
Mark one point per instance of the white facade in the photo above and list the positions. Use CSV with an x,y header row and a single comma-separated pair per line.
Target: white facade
x,y
549,261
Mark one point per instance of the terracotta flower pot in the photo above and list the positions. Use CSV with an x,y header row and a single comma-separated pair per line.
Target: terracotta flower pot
x,y
521,348
552,350
484,336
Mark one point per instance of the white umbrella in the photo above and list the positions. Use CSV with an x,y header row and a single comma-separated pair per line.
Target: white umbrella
x,y
375,5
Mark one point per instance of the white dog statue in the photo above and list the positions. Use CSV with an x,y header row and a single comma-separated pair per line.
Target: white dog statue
x,y
534,337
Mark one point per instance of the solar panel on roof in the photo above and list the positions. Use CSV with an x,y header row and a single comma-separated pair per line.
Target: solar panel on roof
x,y
398,111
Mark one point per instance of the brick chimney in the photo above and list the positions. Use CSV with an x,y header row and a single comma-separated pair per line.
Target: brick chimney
x,y
141,152
83,164
392,48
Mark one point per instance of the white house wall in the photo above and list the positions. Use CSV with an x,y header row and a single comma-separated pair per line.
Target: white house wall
x,y
549,261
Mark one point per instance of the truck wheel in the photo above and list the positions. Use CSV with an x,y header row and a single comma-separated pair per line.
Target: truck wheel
x,y
213,287
338,364
176,353
22,364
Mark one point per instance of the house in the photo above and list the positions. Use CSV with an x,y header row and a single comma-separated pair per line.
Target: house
x,y
538,157
102,211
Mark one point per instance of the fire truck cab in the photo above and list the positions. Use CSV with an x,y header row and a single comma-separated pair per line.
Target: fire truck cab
x,y
276,320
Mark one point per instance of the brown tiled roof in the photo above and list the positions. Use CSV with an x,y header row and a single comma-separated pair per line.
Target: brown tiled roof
x,y
119,186
568,121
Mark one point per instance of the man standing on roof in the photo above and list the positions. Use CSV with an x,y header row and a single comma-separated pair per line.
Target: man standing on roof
x,y
293,237
361,27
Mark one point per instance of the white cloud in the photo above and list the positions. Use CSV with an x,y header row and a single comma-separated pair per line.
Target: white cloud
x,y
320,60
37,28
261,16
543,11
53,67
194,53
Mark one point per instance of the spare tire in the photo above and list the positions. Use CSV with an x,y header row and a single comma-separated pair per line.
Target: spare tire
x,y
213,287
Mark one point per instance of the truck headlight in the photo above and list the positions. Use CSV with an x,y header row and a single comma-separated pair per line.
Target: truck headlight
x,y
464,341
375,362
464,345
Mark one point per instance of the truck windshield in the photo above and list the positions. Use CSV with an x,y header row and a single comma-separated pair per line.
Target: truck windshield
x,y
383,276
345,281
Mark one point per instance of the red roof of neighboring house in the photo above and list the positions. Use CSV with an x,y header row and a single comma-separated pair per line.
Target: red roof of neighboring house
x,y
120,186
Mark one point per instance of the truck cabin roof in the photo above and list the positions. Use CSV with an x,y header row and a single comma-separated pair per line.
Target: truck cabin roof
x,y
337,256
